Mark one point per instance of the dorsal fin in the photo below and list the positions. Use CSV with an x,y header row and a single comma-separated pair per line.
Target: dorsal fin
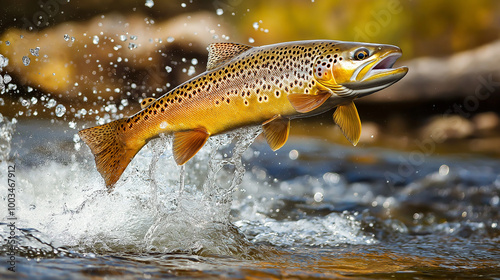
x,y
146,102
219,53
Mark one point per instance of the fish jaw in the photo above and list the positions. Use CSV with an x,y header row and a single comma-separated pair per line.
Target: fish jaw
x,y
377,73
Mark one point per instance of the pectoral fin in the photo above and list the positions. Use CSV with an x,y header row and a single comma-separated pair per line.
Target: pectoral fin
x,y
188,143
304,103
147,101
276,131
347,119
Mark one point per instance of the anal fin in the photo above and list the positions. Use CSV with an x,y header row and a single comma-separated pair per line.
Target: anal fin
x,y
304,103
188,143
276,131
147,101
347,118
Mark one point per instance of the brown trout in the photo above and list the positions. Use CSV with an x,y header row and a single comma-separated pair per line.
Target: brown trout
x,y
245,85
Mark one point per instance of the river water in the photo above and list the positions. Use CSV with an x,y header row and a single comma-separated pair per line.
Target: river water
x,y
311,210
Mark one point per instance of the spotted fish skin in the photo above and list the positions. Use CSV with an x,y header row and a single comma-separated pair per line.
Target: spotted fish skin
x,y
244,86
249,89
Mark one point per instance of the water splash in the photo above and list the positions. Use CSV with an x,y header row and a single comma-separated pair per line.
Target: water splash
x,y
155,208
6,130
196,218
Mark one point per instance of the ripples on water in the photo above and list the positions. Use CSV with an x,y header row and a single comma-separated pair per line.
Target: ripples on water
x,y
312,209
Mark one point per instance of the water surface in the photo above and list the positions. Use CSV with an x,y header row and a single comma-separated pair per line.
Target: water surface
x,y
311,210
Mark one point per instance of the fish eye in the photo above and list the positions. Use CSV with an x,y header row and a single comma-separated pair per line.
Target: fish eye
x,y
361,54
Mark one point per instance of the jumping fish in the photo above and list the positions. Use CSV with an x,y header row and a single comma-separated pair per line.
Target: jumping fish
x,y
245,85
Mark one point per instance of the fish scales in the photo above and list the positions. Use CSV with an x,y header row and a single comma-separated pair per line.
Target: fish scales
x,y
245,85
250,88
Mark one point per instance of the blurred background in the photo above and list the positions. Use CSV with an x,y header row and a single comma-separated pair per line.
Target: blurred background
x,y
417,198
95,60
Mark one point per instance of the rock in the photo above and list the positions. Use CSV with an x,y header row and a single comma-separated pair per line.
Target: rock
x,y
445,128
486,123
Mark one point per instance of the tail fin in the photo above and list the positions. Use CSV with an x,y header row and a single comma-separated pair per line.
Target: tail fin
x,y
112,154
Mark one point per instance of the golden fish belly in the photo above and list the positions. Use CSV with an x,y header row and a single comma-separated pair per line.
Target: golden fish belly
x,y
218,112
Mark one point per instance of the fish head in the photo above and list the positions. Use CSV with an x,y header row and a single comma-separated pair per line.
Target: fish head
x,y
358,69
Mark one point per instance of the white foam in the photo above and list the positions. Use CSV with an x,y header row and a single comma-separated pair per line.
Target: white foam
x,y
154,209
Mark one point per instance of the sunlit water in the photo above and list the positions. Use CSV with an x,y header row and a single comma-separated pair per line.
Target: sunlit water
x,y
237,210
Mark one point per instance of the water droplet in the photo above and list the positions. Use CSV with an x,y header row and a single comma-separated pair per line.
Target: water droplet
x,y
66,37
35,51
60,110
251,40
3,61
255,25
7,43
132,46
7,78
170,39
318,197
149,3
123,38
194,61
133,37
51,103
25,103
220,12
191,71
168,68
293,154
331,178
444,170
26,60
183,5
95,40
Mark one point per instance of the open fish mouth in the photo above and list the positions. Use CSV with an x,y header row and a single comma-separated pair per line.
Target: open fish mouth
x,y
377,74
383,69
